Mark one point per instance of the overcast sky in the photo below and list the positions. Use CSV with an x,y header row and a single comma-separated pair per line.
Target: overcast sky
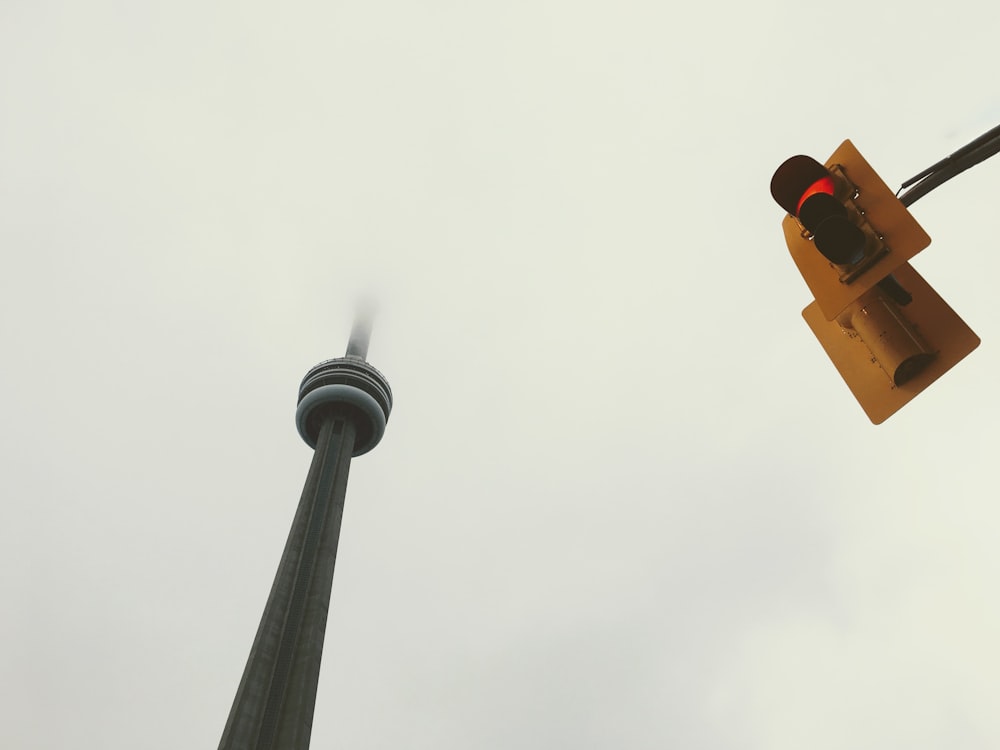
x,y
624,500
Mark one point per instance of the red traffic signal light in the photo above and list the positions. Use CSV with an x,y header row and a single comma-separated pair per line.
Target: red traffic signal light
x,y
845,228
807,190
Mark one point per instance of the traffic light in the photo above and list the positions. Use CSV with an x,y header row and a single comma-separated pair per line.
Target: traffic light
x,y
886,330
846,229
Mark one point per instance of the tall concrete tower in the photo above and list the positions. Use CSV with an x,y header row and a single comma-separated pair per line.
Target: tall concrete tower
x,y
343,408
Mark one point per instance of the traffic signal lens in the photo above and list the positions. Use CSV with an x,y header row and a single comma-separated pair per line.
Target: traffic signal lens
x,y
840,242
818,208
821,186
835,236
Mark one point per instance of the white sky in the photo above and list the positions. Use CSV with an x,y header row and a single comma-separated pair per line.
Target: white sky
x,y
624,499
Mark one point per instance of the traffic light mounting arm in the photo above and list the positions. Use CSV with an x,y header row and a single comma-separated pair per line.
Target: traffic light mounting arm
x,y
981,149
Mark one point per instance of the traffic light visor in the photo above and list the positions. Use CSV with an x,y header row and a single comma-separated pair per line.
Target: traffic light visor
x,y
798,179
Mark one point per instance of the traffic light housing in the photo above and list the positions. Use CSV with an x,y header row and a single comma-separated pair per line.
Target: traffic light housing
x,y
845,228
888,333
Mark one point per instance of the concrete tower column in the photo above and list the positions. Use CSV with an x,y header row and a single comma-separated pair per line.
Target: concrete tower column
x,y
343,407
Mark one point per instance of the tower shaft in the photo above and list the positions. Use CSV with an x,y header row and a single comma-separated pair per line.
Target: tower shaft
x,y
342,412
276,698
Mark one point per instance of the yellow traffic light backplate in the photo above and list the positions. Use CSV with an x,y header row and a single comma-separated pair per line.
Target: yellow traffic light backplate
x,y
901,233
935,323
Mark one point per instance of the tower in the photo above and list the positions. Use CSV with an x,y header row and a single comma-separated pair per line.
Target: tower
x,y
342,411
